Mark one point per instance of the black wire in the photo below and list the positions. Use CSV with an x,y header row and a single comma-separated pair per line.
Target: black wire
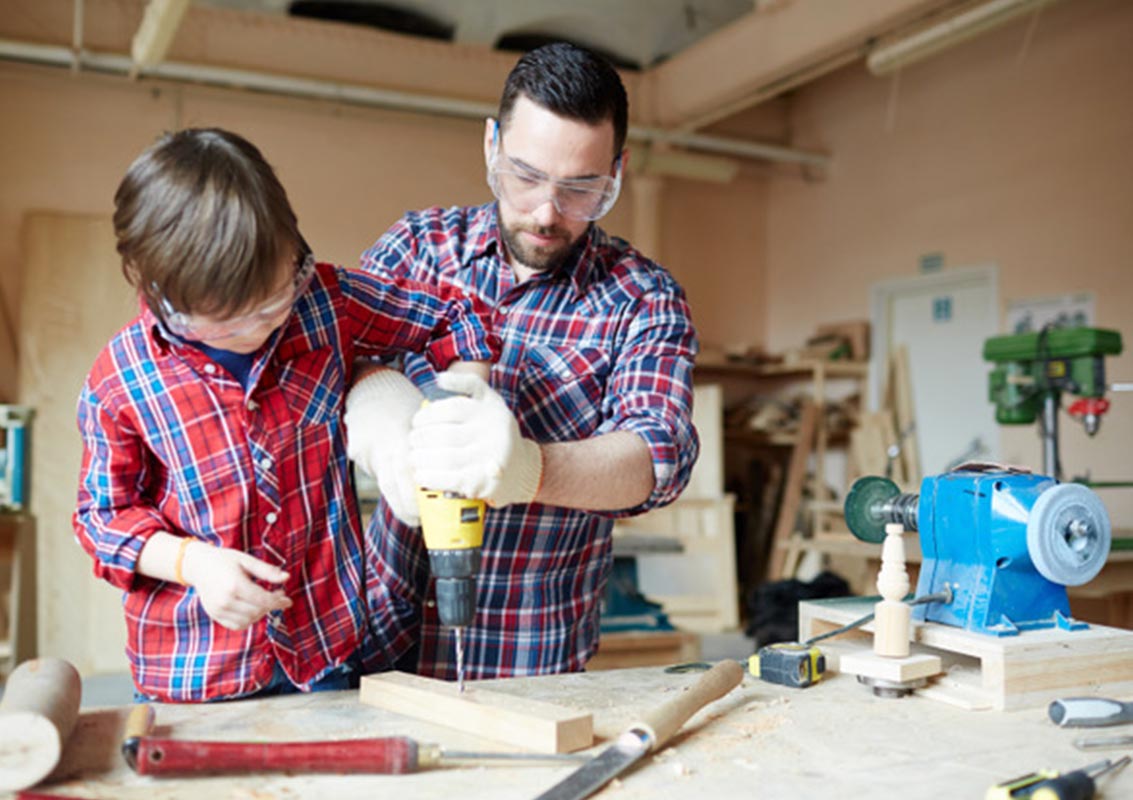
x,y
939,597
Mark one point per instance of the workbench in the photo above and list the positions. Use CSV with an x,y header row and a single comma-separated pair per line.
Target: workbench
x,y
762,740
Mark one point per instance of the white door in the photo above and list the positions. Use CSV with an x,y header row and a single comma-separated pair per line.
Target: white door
x,y
943,319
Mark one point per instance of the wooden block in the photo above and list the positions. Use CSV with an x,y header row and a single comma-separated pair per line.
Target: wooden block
x,y
528,724
898,670
644,649
1022,671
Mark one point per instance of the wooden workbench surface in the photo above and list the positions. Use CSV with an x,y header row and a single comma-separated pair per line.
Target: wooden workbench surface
x,y
833,739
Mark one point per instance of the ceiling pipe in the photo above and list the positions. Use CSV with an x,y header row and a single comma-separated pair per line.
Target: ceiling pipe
x,y
890,56
317,89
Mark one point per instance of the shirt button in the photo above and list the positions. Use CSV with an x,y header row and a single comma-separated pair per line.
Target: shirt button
x,y
271,517
430,603
210,368
265,463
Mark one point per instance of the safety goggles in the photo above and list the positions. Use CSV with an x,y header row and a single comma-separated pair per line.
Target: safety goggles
x,y
188,326
526,189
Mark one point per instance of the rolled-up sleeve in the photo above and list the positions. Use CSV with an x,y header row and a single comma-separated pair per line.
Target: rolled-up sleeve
x,y
650,391
112,519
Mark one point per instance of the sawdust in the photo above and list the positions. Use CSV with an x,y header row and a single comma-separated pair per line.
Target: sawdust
x,y
241,793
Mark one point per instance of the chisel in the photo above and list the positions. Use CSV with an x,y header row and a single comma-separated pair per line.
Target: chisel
x,y
383,756
1089,712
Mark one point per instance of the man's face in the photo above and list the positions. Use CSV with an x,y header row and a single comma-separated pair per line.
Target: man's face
x,y
539,140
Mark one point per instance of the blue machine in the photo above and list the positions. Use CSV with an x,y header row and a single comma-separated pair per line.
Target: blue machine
x,y
1006,543
15,425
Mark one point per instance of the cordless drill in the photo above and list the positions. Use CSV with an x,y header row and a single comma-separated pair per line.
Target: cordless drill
x,y
453,527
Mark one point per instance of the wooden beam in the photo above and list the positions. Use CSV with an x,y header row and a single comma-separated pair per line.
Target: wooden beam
x,y
528,724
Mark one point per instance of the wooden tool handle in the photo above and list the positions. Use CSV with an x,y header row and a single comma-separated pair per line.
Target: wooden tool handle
x,y
37,714
383,756
665,720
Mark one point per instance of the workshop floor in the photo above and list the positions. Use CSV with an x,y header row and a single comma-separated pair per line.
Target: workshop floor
x,y
113,689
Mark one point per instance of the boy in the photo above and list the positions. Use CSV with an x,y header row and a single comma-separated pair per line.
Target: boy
x,y
215,489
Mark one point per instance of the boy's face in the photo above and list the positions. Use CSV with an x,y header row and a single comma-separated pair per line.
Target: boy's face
x,y
246,331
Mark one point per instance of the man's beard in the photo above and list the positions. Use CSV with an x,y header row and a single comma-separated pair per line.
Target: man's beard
x,y
538,259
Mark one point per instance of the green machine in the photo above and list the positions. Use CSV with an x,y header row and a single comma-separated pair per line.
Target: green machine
x,y
1033,370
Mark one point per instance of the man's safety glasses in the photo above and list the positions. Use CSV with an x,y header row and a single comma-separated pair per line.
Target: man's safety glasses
x,y
188,326
526,189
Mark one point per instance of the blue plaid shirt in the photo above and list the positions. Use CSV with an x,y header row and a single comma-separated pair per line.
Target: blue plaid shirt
x,y
603,344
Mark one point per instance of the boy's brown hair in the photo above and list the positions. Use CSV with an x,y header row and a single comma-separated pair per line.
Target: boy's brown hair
x,y
203,222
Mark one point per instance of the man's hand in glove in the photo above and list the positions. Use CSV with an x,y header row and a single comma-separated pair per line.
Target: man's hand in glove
x,y
471,445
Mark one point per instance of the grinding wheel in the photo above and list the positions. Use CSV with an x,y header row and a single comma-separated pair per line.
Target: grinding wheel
x,y
1068,534
863,507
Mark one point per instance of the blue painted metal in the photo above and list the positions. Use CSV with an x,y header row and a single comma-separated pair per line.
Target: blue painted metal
x,y
973,535
624,607
14,440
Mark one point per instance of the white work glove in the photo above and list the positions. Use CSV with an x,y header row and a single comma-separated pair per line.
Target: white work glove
x,y
379,410
472,445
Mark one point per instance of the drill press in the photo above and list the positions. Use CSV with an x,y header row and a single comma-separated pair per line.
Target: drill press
x,y
1033,370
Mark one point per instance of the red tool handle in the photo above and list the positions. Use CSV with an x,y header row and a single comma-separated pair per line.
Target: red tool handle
x,y
392,755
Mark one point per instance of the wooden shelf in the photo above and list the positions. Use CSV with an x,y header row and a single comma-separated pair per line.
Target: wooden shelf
x,y
833,369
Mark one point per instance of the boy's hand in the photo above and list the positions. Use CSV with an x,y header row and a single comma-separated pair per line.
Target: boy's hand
x,y
473,446
225,582
378,411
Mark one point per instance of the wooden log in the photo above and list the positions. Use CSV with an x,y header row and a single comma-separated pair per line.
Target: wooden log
x,y
37,714
528,724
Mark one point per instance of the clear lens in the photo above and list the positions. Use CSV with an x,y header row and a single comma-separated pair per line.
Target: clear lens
x,y
526,190
189,327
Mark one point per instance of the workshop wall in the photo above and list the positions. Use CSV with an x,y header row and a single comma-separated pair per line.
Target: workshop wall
x,y
350,172
988,153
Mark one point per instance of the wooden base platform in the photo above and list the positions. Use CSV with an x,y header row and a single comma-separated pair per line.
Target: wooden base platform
x,y
980,671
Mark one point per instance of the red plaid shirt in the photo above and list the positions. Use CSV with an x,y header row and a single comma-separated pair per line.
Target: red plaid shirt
x,y
172,442
603,344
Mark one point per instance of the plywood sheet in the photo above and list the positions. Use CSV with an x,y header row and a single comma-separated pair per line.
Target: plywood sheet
x,y
74,299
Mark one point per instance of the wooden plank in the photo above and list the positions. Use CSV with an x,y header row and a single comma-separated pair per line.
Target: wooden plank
x,y
528,724
905,414
644,649
792,492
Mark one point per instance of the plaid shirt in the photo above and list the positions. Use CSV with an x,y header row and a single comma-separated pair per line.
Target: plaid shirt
x,y
604,344
172,442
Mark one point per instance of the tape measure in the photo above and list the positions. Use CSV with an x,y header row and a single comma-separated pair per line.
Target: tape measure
x,y
788,664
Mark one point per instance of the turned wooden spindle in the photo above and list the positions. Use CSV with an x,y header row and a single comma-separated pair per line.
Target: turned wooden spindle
x,y
891,614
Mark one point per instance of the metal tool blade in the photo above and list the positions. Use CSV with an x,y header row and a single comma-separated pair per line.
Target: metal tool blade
x,y
603,768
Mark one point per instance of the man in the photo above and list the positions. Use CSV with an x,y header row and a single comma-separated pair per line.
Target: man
x,y
588,417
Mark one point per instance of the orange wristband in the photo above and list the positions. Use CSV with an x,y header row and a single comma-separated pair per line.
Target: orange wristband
x,y
180,560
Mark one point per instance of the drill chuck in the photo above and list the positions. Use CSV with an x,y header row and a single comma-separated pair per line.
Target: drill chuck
x,y
455,572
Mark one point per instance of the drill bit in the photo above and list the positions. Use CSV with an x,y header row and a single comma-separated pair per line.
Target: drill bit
x,y
458,633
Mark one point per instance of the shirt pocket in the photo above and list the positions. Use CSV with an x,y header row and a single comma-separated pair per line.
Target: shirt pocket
x,y
312,383
561,391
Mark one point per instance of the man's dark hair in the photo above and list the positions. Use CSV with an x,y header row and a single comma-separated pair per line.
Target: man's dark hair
x,y
571,82
202,222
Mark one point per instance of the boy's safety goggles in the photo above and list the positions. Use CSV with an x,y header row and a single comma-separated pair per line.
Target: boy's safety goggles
x,y
195,328
526,189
